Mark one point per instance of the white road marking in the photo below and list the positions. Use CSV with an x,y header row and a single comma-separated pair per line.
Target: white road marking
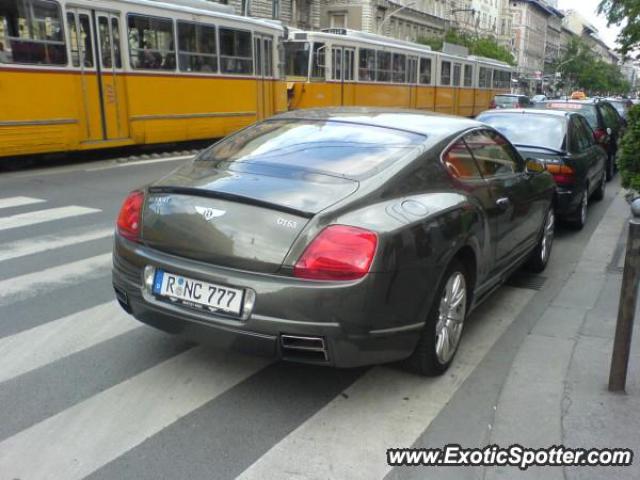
x,y
41,216
32,284
45,243
83,438
36,347
139,162
18,201
386,407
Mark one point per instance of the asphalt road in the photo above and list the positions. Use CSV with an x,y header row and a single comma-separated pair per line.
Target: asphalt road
x,y
86,391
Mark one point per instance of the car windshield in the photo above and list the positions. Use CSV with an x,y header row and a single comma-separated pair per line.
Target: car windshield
x,y
587,110
506,101
528,129
337,148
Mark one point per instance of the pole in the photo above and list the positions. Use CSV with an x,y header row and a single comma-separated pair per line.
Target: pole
x,y
627,306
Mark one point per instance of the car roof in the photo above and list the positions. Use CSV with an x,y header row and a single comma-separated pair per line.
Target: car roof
x,y
510,95
434,125
533,111
586,103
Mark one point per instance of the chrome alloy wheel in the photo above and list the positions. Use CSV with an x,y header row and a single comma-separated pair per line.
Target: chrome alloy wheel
x,y
451,315
584,203
547,236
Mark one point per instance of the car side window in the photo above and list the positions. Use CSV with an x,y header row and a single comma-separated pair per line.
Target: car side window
x,y
587,132
610,117
493,153
460,163
578,141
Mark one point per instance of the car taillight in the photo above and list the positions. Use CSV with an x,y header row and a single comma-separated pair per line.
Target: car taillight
x,y
130,215
492,104
339,252
600,134
562,174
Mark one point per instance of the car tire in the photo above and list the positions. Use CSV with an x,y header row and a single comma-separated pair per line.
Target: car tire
x,y
599,193
580,215
441,334
541,254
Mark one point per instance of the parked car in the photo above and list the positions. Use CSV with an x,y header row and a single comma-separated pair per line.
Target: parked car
x,y
343,236
538,98
622,106
608,127
508,100
564,142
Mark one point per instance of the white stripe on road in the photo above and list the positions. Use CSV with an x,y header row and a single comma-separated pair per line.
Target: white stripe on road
x,y
41,216
18,201
32,284
83,438
50,242
385,408
39,346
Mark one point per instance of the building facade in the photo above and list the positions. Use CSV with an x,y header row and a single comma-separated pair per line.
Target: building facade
x,y
303,14
530,19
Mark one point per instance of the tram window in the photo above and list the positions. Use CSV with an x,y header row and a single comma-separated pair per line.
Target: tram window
x,y
33,33
115,32
399,68
297,58
80,39
367,68
383,72
425,71
336,63
484,77
318,61
151,44
197,47
445,74
468,75
235,52
457,70
349,59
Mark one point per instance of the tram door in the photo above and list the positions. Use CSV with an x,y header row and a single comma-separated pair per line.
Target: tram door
x,y
456,82
111,76
265,78
342,69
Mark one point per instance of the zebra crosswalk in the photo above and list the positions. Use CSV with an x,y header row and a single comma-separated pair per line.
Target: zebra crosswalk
x,y
92,393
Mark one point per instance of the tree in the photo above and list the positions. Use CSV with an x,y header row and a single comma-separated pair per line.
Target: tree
x,y
628,161
481,46
626,13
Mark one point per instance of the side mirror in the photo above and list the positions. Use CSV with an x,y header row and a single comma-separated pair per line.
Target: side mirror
x,y
609,131
534,166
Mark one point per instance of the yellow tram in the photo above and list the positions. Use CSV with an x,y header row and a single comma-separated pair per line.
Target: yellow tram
x,y
343,67
88,74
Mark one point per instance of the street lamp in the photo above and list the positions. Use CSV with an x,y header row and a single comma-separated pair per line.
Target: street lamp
x,y
457,10
397,10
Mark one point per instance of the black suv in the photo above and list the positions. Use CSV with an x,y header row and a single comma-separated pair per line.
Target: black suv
x,y
607,124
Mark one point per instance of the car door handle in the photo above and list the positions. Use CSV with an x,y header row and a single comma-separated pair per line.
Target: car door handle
x,y
503,203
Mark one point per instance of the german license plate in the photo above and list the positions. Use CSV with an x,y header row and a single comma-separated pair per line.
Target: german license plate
x,y
197,294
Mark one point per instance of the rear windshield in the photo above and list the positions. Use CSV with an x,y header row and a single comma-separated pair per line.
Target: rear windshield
x,y
585,109
337,148
506,101
528,129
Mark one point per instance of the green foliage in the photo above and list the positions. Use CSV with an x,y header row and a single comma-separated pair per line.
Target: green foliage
x,y
627,14
582,69
629,155
481,46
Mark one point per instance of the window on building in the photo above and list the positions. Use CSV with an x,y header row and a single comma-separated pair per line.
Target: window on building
x,y
383,71
33,33
367,65
425,71
399,68
197,47
445,73
275,9
338,20
151,44
235,52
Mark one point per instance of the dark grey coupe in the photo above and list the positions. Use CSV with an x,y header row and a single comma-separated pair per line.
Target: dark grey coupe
x,y
344,237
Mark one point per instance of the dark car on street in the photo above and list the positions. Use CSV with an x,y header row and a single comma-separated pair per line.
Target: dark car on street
x,y
622,106
509,100
342,237
608,126
564,142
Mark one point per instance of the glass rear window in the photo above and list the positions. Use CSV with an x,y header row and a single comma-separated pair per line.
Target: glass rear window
x,y
337,148
588,111
529,129
506,102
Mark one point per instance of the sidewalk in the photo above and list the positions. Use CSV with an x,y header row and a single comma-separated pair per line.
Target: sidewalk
x,y
556,391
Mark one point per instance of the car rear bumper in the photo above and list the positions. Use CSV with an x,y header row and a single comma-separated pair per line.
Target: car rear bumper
x,y
343,324
566,201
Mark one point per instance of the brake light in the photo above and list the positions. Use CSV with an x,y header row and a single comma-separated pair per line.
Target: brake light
x,y
128,224
562,174
600,134
492,104
339,252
